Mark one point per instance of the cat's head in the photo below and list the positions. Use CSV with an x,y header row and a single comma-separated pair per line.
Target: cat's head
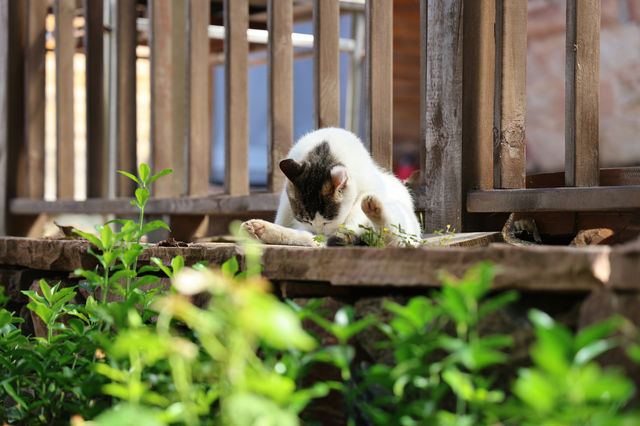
x,y
319,190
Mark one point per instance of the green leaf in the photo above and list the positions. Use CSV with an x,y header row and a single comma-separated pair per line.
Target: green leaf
x,y
92,276
230,267
144,172
129,415
147,268
153,225
106,235
460,383
163,268
594,349
92,238
177,263
120,275
159,175
130,176
41,310
34,296
46,291
497,302
11,391
634,352
146,279
142,195
536,391
597,331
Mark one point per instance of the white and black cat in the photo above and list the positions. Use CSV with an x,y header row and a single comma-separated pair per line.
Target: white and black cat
x,y
332,181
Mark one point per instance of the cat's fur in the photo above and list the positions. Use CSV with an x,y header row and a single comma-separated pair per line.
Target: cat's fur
x,y
332,181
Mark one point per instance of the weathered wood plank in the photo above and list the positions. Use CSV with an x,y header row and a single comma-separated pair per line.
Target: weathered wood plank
x,y
126,41
555,199
65,49
161,93
4,114
184,205
477,98
17,159
199,88
545,268
510,94
280,89
326,63
180,57
441,173
582,87
236,67
608,177
35,97
65,255
379,81
97,144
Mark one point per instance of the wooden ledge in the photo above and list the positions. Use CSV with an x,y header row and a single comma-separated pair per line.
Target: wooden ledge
x,y
543,268
180,205
599,198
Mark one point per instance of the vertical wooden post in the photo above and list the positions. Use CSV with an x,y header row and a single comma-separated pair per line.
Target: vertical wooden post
x,y
236,72
65,49
13,157
280,89
582,88
97,146
510,163
168,91
4,114
326,63
442,97
477,99
126,41
478,81
379,81
17,158
199,88
180,56
35,84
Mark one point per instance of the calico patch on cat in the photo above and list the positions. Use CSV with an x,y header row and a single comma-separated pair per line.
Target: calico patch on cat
x,y
333,185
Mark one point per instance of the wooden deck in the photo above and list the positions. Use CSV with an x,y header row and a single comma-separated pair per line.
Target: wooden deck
x,y
298,271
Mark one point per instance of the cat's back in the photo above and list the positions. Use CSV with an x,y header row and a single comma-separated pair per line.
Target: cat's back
x,y
343,145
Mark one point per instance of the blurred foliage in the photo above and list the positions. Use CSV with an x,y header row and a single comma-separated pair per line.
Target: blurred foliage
x,y
243,358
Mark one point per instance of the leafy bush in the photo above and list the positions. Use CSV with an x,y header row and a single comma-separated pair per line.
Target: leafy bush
x,y
155,358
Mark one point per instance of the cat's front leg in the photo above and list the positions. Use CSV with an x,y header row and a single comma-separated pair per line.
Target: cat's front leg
x,y
270,233
377,213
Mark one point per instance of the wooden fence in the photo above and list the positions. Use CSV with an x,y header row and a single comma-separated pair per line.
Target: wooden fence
x,y
473,156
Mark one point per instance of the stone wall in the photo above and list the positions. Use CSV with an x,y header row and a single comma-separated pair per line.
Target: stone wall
x,y
619,84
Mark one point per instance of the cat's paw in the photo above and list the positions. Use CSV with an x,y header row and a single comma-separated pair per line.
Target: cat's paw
x,y
255,228
372,207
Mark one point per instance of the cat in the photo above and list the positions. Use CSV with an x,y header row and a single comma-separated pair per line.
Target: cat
x,y
333,186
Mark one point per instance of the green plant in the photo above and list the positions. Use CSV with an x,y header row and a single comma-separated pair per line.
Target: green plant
x,y
49,379
565,385
431,365
124,246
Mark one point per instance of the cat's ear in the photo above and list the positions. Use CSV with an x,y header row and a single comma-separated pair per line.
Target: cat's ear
x,y
291,168
339,177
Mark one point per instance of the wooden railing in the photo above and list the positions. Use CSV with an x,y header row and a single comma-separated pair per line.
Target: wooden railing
x,y
501,142
473,116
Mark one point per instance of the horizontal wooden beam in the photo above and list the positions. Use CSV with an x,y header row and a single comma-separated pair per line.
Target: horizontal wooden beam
x,y
182,205
554,199
548,268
